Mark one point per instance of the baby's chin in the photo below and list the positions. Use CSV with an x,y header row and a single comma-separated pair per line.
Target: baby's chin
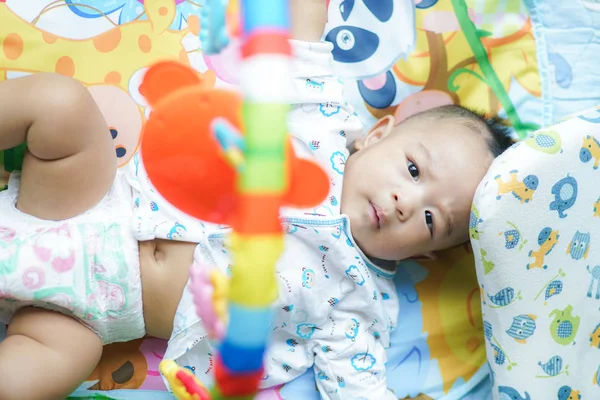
x,y
378,253
374,252
365,238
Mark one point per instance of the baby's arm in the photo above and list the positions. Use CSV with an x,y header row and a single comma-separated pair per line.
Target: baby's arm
x,y
308,19
320,121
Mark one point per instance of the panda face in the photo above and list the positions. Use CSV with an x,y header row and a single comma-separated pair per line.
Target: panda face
x,y
369,36
352,44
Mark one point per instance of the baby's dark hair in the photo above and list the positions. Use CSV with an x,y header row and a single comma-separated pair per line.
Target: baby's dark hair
x,y
499,138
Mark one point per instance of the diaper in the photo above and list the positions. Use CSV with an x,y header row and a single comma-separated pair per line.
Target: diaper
x,y
86,267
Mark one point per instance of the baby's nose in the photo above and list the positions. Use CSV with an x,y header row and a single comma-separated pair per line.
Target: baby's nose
x,y
403,206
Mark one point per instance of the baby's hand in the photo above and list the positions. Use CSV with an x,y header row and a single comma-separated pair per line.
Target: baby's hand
x,y
308,19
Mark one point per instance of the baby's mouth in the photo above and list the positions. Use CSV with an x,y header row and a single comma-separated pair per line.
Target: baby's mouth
x,y
375,215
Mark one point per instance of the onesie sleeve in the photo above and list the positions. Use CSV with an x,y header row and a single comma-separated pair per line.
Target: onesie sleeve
x,y
355,372
320,117
320,120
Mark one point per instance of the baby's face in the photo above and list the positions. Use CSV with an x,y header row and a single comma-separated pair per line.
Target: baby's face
x,y
409,193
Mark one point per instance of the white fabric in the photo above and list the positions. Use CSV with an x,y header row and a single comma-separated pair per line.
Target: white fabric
x,y
534,227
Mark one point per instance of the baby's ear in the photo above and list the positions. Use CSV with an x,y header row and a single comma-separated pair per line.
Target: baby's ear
x,y
166,77
381,129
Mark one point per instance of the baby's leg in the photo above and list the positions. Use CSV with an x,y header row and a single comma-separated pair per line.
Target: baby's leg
x,y
70,163
69,166
46,355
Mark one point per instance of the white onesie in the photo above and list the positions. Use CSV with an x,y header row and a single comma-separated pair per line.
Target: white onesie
x,y
335,308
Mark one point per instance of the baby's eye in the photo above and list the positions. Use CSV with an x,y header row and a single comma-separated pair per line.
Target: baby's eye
x,y
413,170
429,222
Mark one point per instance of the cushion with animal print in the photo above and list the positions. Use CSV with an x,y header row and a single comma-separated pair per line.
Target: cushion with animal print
x,y
535,232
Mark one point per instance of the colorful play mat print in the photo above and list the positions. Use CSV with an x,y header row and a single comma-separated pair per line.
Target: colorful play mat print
x,y
396,57
407,56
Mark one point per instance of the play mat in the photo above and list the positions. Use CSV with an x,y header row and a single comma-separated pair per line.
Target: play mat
x,y
528,61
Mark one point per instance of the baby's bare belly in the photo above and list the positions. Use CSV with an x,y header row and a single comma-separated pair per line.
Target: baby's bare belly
x,y
164,266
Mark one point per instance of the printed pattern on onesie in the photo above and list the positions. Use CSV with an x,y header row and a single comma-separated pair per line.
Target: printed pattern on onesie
x,y
320,121
334,312
154,217
535,230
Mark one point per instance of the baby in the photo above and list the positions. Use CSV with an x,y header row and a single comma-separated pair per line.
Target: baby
x,y
90,255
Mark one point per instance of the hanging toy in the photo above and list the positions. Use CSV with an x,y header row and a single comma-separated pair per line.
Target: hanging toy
x,y
227,159
183,383
210,288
